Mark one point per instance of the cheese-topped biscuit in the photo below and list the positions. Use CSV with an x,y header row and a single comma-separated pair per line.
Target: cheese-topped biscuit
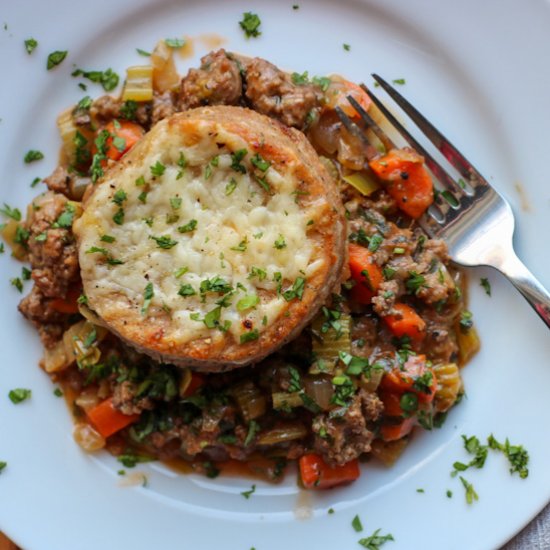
x,y
214,241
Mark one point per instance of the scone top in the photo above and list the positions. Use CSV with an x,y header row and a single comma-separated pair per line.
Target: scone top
x,y
214,241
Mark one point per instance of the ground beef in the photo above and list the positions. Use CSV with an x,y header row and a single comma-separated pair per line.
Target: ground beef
x,y
37,308
59,181
163,106
271,91
105,108
124,399
343,438
52,250
217,82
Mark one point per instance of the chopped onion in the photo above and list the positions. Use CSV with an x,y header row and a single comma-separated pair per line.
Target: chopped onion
x,y
165,74
88,438
281,434
9,232
285,400
55,359
320,389
250,399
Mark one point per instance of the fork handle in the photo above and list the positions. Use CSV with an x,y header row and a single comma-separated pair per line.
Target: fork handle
x,y
528,285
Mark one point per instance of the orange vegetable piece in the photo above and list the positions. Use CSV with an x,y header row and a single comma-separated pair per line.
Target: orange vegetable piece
x,y
401,381
69,304
406,323
107,420
392,403
367,274
408,181
393,432
128,134
337,93
317,474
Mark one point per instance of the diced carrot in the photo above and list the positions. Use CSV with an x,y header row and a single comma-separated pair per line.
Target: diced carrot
x,y
392,403
407,380
337,96
68,304
408,181
197,380
406,322
366,273
317,474
107,420
124,135
393,432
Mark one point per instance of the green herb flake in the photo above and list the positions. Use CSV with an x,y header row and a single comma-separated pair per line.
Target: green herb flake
x,y
108,79
19,395
247,302
280,243
17,283
35,182
250,24
118,217
517,456
2,249
157,169
57,392
26,273
247,494
107,239
356,524
175,43
261,274
55,58
186,290
249,336
346,47
164,242
484,282
13,213
33,156
297,7
400,81
190,226
119,197
420,491
148,294
296,291
231,186
449,493
260,163
180,272
466,320
175,203
375,541
330,511
2,466
471,495
143,52
241,247
253,429
30,45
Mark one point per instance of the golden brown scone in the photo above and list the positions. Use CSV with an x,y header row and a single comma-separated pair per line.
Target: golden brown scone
x,y
214,241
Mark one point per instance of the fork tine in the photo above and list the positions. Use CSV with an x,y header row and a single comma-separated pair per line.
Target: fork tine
x,y
441,174
448,150
370,123
351,127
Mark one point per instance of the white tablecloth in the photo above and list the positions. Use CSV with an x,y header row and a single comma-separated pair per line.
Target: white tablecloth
x,y
536,536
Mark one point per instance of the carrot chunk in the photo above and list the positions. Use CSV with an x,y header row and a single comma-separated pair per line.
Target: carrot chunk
x,y
365,272
107,420
317,474
406,322
393,432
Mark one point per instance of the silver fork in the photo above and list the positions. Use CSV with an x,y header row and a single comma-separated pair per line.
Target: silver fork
x,y
475,221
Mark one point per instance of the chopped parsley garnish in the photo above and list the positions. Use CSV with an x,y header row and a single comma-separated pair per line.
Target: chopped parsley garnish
x,y
119,143
300,79
415,282
186,290
343,390
119,197
216,284
30,45
257,272
297,7
471,495
142,197
2,249
409,402
246,494
35,182
148,294
248,301
21,236
375,541
82,299
296,291
189,226
484,282
17,283
241,247
107,239
157,169
174,42
13,213
346,47
2,465
143,52
55,58
180,272
517,456
128,109
118,218
400,81
108,79
249,336
449,493
466,322
280,243
33,156
322,81
231,186
57,392
19,395
175,203
356,524
164,242
108,258
26,273
388,273
250,24
130,459
253,429
236,159
260,163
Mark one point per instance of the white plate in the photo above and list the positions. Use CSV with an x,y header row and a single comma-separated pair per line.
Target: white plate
x,y
475,68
